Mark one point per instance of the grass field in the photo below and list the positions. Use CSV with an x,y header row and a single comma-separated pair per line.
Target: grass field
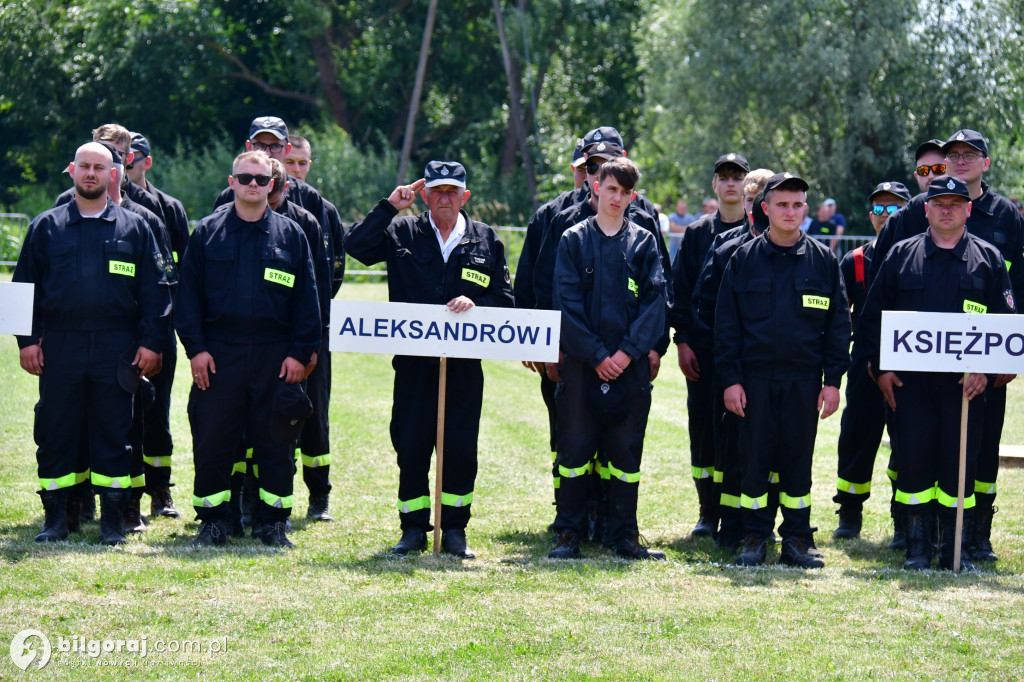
x,y
337,608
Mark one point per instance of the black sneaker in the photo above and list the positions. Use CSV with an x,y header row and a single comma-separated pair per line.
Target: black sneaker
x,y
754,551
794,553
318,503
274,535
211,534
413,540
850,521
637,547
567,546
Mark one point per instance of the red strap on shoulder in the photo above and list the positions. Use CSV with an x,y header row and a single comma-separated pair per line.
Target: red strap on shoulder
x,y
858,266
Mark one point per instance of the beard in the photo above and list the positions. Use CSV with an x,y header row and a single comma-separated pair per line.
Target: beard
x,y
90,194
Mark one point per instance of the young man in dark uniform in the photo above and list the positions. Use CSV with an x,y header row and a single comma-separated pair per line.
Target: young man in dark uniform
x,y
610,288
781,323
863,420
248,316
695,359
99,307
947,270
441,257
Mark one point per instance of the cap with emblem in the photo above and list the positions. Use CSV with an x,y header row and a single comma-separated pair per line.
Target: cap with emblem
x,y
895,188
268,124
605,150
732,159
785,181
970,137
946,186
140,145
932,145
602,134
445,173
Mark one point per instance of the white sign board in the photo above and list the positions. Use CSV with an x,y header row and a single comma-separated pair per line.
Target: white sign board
x,y
952,342
16,300
435,331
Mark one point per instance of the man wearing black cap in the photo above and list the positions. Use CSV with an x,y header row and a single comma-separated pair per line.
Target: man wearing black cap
x,y
945,270
929,162
995,219
441,257
248,316
695,359
863,421
99,307
781,323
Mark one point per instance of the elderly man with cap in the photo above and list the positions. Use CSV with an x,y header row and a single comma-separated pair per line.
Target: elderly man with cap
x,y
248,316
695,359
946,269
995,219
863,418
781,324
100,319
441,257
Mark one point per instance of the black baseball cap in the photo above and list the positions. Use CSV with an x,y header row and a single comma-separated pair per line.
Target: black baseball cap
x,y
445,173
948,186
605,150
760,218
602,134
113,151
140,145
785,181
967,136
578,157
290,408
932,145
268,124
895,188
732,159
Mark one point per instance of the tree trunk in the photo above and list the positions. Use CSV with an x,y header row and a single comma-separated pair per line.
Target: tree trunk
x,y
417,91
515,92
336,104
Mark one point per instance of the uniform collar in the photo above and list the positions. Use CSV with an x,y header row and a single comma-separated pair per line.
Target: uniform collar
x,y
74,215
797,249
985,202
234,222
930,247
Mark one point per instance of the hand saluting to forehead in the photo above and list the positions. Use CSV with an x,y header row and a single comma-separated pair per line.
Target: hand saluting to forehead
x,y
404,196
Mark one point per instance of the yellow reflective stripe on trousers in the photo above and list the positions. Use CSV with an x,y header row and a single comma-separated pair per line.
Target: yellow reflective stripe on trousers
x,y
748,502
213,500
82,476
160,461
115,482
566,472
717,476
950,500
318,461
891,474
65,481
415,504
857,488
450,500
557,482
600,469
625,476
923,497
276,501
238,468
791,502
773,476
732,501
256,470
139,481
702,472
985,488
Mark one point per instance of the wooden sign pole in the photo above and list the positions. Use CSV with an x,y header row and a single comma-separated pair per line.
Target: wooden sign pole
x,y
961,480
439,462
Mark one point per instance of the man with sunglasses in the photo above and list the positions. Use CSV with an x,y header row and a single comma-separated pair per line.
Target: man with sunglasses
x,y
695,352
930,163
863,421
248,316
995,219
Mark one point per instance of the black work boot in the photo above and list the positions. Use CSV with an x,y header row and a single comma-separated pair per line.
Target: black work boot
x,y
211,534
850,519
707,521
637,547
794,553
112,504
567,546
55,522
947,540
918,534
73,507
134,521
453,542
899,523
234,521
980,534
318,504
413,540
275,534
753,551
87,496
161,503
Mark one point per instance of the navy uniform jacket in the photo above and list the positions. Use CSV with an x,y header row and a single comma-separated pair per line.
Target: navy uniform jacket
x,y
94,274
611,291
334,246
535,233
174,217
691,256
919,276
248,283
993,217
417,272
782,314
709,282
322,266
857,292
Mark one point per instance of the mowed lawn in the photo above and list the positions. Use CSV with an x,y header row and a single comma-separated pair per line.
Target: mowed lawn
x,y
337,608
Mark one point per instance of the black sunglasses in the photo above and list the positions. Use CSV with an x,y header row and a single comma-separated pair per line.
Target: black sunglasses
x,y
879,209
247,178
592,168
937,168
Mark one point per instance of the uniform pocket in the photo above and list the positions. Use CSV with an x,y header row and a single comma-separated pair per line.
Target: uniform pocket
x,y
755,298
813,298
